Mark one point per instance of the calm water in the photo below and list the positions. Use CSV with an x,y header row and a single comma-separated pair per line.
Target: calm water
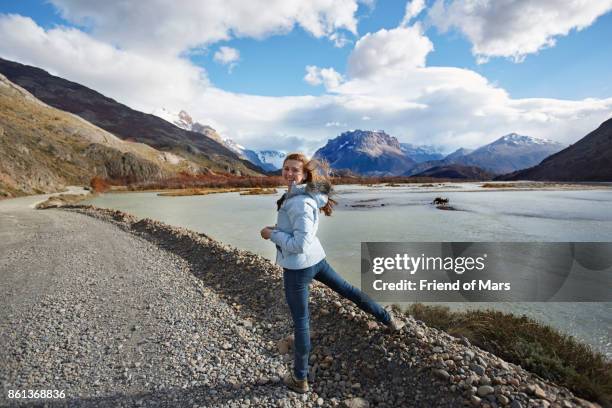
x,y
522,216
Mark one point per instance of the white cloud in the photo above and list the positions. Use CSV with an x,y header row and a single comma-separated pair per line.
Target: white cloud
x,y
326,76
227,56
339,39
335,124
430,105
165,26
389,50
141,81
515,28
413,9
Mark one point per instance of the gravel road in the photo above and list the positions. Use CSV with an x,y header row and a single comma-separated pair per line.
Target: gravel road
x,y
115,311
113,320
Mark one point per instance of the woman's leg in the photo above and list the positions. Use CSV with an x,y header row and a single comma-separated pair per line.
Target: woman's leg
x,y
328,276
297,284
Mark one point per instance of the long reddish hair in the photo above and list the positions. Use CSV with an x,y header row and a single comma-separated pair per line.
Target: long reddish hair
x,y
316,174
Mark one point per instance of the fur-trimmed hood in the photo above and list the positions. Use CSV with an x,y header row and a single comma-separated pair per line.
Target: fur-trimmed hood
x,y
319,191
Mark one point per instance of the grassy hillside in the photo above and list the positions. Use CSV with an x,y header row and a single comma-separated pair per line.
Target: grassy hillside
x,y
43,149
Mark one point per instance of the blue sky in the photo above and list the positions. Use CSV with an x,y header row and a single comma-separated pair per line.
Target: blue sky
x,y
577,67
565,67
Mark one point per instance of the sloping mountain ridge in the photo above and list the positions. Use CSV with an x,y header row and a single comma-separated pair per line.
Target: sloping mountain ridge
x,y
589,159
367,153
43,149
124,122
456,171
184,120
458,153
510,153
269,160
507,153
421,153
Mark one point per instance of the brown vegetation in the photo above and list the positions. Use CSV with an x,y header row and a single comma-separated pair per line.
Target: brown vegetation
x,y
520,340
186,180
195,181
499,185
99,185
258,191
198,191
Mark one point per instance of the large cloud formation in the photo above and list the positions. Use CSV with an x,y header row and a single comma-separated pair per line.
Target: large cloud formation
x,y
388,84
515,28
167,26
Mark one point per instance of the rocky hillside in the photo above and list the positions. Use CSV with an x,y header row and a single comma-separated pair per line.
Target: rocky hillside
x,y
367,153
43,149
124,122
589,159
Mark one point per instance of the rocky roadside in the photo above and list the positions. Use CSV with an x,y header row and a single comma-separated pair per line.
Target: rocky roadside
x,y
199,323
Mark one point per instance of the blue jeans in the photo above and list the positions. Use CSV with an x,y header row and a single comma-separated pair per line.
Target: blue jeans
x,y
297,285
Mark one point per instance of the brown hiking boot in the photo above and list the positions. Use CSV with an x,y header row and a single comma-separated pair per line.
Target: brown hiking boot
x,y
395,324
296,385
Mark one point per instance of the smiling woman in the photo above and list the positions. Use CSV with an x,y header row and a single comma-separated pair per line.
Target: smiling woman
x,y
302,257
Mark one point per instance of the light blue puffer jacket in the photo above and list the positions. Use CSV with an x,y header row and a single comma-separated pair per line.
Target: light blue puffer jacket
x,y
295,236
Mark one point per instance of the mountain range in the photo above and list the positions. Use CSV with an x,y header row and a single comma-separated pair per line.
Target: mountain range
x,y
184,121
369,153
43,149
589,159
126,123
54,132
268,160
421,153
377,153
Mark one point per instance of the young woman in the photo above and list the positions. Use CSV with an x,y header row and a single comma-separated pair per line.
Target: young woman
x,y
301,255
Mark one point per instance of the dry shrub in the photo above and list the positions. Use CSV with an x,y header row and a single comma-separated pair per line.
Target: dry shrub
x,y
536,347
99,185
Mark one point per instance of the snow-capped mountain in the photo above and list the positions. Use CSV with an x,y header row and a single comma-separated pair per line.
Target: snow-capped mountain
x,y
510,153
588,159
421,153
184,121
272,157
515,139
366,152
507,154
462,151
268,160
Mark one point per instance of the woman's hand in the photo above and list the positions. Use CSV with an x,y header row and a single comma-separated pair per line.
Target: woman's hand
x,y
266,232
